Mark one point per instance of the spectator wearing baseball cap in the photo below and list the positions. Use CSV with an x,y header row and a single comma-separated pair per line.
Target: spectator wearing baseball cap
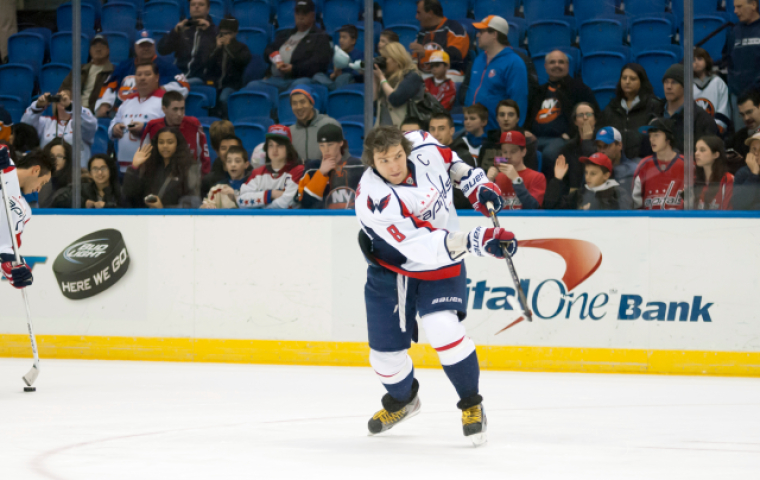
x,y
704,123
191,41
438,32
747,180
94,73
308,122
331,182
599,192
498,73
439,85
297,54
275,184
339,75
121,83
521,187
609,141
659,179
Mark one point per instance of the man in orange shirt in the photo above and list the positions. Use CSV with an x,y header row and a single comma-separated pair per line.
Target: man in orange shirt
x,y
439,33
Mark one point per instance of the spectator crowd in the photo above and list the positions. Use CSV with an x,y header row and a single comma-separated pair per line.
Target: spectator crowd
x,y
284,117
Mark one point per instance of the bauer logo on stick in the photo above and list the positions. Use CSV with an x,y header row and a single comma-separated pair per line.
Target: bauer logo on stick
x,y
91,264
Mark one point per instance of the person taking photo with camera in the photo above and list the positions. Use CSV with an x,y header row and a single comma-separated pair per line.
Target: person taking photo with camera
x,y
191,41
397,82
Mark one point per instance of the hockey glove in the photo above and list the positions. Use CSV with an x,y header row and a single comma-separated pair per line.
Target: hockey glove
x,y
488,241
5,158
19,276
487,192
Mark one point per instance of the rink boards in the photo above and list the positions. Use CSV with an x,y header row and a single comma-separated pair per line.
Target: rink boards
x,y
632,293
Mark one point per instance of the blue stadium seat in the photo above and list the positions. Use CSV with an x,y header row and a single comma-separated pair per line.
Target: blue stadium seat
x,y
596,34
320,94
340,12
64,18
458,121
455,8
265,122
46,34
207,91
649,8
157,35
119,45
604,94
518,30
353,132
585,10
730,12
251,13
251,134
161,15
602,68
207,131
216,10
503,8
17,80
207,121
100,144
650,32
60,48
27,48
399,12
656,62
286,13
196,105
52,76
139,5
15,106
547,35
377,29
119,17
699,8
536,10
705,25
341,103
271,91
284,111
406,33
245,104
256,39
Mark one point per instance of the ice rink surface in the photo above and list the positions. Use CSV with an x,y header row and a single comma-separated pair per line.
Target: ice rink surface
x,y
96,420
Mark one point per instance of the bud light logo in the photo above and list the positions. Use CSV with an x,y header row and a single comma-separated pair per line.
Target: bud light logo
x,y
552,298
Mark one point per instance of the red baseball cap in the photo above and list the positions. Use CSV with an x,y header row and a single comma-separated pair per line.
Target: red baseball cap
x,y
279,131
512,137
598,159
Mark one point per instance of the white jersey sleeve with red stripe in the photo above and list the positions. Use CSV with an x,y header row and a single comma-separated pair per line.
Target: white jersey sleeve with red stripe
x,y
21,213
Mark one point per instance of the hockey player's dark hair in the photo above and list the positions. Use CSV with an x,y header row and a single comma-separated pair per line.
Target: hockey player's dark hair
x,y
180,162
719,168
171,96
292,153
380,139
443,116
25,137
36,157
236,149
413,121
61,177
113,172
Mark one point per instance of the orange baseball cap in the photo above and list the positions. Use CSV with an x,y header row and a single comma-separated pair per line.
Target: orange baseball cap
x,y
437,56
494,22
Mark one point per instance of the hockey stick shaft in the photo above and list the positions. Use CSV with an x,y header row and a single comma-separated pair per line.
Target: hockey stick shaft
x,y
527,314
31,376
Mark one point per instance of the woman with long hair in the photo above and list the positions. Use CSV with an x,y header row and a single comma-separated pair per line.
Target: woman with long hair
x,y
104,190
57,192
713,185
710,91
397,85
581,144
634,105
163,174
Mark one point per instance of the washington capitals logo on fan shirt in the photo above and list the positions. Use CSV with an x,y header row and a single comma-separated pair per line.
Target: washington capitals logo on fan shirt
x,y
379,206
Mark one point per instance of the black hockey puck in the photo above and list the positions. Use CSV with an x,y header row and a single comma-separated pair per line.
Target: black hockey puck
x,y
30,389
92,264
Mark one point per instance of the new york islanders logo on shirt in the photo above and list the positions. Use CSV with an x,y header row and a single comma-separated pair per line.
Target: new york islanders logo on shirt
x,y
378,206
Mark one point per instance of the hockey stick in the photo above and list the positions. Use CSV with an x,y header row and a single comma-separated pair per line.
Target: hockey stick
x,y
527,314
30,377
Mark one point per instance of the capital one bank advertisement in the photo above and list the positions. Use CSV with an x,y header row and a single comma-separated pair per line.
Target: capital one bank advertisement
x,y
596,282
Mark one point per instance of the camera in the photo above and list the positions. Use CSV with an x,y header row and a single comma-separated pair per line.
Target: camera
x,y
54,98
381,63
192,23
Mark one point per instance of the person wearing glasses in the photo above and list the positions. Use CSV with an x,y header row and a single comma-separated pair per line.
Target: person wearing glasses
x,y
104,191
581,144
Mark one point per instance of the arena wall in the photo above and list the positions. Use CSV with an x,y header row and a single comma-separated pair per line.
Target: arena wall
x,y
673,293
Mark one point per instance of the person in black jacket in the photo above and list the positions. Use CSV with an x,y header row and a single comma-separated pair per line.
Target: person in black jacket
x,y
599,191
634,105
218,172
57,192
226,64
298,54
104,190
191,41
581,144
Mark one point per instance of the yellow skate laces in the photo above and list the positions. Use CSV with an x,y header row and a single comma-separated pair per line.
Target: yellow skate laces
x,y
389,418
472,415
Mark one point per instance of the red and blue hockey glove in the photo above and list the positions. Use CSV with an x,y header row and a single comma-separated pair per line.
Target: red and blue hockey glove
x,y
19,276
5,157
483,241
487,192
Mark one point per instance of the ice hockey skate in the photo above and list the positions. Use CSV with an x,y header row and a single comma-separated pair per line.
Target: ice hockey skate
x,y
474,423
394,412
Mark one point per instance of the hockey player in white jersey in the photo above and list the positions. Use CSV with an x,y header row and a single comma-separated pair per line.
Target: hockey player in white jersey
x,y
28,176
410,236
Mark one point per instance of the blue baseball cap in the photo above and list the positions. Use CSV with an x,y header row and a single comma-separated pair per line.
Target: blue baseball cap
x,y
143,36
609,135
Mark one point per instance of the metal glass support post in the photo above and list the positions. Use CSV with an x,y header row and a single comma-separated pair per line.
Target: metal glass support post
x,y
369,56
688,104
76,103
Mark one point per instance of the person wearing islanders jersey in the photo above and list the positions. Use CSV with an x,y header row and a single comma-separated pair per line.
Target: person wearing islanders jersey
x,y
28,176
275,184
498,73
123,82
658,180
521,187
411,239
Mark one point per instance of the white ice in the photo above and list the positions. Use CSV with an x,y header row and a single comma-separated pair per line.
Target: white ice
x,y
144,420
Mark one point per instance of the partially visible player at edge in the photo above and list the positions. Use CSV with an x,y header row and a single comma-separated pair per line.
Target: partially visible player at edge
x,y
411,240
28,176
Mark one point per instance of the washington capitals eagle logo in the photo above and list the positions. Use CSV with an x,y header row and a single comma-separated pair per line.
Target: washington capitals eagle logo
x,y
378,206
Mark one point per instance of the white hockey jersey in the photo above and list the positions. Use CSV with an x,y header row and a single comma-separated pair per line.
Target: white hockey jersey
x,y
134,110
48,129
256,192
712,95
409,223
21,213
